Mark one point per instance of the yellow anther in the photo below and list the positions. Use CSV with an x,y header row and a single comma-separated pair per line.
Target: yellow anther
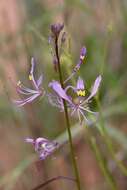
x,y
81,92
30,77
19,83
82,57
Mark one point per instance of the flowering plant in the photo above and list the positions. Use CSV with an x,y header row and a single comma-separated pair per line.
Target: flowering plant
x,y
60,97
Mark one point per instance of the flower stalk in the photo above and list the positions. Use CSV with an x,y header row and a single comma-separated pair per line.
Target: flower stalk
x,y
67,117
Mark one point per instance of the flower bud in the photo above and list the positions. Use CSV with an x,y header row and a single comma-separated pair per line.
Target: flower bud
x,y
56,29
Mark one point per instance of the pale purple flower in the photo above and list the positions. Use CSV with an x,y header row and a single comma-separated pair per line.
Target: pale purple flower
x,y
43,146
31,94
80,106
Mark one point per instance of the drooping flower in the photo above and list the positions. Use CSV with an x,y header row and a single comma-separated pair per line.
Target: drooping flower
x,y
43,146
80,62
81,58
31,94
81,105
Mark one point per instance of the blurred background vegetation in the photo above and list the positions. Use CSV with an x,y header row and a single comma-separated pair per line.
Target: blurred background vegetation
x,y
99,25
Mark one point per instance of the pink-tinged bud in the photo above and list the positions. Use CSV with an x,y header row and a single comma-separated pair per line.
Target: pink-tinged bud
x,y
56,29
82,53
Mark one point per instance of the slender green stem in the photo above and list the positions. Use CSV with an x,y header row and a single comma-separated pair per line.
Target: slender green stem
x,y
67,119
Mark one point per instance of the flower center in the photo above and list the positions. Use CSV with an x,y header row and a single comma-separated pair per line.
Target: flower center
x,y
30,77
81,93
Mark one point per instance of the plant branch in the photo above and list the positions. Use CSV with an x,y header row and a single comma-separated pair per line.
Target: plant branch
x,y
52,180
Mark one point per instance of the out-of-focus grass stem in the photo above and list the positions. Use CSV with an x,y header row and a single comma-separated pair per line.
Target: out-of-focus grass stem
x,y
102,127
102,164
108,142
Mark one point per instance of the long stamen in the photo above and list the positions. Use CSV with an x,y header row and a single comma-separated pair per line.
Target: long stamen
x,y
73,111
72,74
84,116
88,110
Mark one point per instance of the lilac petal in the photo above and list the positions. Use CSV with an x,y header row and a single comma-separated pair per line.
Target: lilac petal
x,y
59,90
20,104
80,84
32,98
25,101
43,154
47,149
32,65
38,142
95,87
50,146
29,140
31,76
25,89
20,90
39,81
40,139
